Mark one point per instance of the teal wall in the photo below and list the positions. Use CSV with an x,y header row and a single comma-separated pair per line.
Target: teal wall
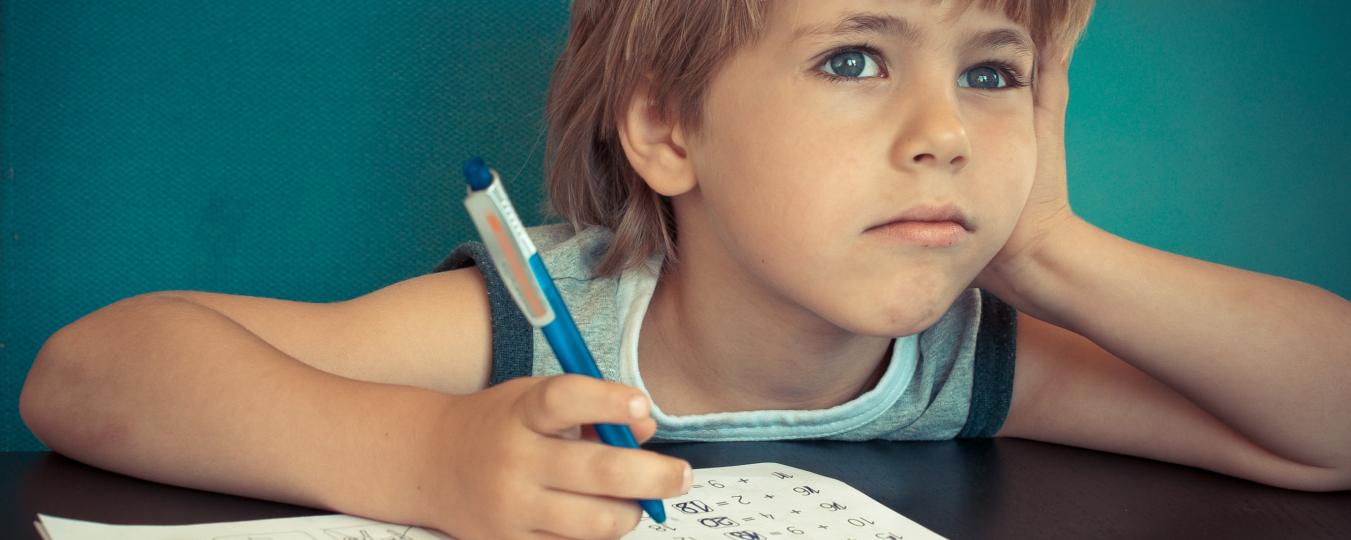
x,y
308,149
1220,130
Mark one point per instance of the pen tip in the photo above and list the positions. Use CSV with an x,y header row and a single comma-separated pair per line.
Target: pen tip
x,y
477,174
654,510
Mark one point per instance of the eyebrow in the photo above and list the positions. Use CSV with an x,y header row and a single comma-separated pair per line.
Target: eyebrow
x,y
874,23
862,23
1002,38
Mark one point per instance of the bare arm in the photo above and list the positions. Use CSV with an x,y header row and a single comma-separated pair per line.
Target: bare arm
x,y
374,407
1188,361
270,403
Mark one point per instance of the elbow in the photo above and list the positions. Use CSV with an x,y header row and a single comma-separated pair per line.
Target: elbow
x,y
63,398
40,399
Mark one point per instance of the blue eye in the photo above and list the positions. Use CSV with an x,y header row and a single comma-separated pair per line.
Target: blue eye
x,y
982,77
851,64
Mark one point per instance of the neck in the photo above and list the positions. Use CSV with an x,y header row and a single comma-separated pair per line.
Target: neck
x,y
708,345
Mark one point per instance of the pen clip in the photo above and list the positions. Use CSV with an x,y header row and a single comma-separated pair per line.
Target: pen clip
x,y
510,248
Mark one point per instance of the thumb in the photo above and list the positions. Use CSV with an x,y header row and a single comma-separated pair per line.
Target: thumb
x,y
560,403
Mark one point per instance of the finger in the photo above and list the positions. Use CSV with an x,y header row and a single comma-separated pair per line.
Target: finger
x,y
584,516
1051,100
564,401
596,469
1052,84
642,430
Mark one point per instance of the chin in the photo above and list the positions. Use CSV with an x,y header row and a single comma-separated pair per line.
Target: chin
x,y
900,316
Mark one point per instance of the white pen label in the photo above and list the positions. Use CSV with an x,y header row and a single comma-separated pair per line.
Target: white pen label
x,y
511,249
513,222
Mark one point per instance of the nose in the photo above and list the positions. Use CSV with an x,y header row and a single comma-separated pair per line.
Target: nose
x,y
932,134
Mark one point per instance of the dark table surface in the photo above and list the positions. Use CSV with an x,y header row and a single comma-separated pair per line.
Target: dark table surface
x,y
960,489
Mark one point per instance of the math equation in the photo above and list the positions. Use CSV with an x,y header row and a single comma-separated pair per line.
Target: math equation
x,y
769,501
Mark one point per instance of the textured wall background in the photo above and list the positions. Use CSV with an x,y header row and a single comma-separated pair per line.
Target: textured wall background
x,y
309,149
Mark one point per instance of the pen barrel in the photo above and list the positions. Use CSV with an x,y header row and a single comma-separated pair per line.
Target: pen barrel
x,y
616,435
527,279
574,356
562,333
573,353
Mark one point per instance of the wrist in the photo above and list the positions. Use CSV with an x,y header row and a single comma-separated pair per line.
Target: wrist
x,y
382,451
1040,279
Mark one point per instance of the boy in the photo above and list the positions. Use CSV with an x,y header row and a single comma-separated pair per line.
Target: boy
x,y
765,195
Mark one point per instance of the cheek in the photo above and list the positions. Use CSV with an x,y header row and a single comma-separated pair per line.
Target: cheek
x,y
760,164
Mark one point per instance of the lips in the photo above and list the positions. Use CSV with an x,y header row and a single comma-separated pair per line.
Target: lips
x,y
928,226
930,213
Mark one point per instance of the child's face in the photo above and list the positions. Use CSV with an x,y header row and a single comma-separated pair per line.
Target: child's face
x,y
812,137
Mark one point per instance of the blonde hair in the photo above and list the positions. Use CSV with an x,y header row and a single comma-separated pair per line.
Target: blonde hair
x,y
679,45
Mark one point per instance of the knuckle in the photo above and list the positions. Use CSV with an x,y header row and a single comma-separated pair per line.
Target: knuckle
x,y
545,395
606,524
608,470
627,519
555,392
523,404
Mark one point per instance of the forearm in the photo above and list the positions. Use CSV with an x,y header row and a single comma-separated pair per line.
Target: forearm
x,y
175,392
1268,356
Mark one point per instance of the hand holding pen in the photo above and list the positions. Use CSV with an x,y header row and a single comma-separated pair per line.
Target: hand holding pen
x,y
515,460
604,472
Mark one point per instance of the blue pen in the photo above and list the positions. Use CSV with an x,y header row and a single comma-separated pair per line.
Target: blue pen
x,y
531,286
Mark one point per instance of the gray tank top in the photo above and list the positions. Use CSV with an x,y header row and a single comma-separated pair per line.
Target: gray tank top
x,y
954,379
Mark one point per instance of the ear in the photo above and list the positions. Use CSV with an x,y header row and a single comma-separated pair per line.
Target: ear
x,y
655,146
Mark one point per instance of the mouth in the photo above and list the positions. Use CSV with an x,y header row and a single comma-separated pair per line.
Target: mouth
x,y
926,225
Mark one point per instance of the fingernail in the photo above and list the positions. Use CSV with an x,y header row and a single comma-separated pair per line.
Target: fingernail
x,y
638,407
689,479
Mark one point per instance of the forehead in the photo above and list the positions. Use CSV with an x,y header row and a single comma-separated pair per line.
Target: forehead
x,y
916,21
